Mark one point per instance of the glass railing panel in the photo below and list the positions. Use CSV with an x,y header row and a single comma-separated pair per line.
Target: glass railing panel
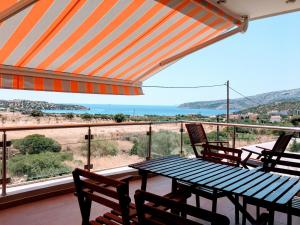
x,y
36,155
117,146
165,140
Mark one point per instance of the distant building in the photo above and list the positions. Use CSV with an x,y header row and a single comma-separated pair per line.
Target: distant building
x,y
252,116
278,113
274,119
234,116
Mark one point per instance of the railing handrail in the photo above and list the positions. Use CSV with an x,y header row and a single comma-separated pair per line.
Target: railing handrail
x,y
79,125
149,123
267,127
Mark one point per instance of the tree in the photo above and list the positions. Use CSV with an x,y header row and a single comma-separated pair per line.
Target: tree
x,y
119,118
36,143
69,115
86,116
295,121
36,113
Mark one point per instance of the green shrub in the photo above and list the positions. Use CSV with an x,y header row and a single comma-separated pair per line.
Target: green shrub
x,y
69,116
295,121
36,143
295,146
43,165
163,143
119,118
36,113
212,136
100,147
86,116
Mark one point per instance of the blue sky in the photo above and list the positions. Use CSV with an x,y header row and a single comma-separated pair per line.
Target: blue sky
x,y
265,58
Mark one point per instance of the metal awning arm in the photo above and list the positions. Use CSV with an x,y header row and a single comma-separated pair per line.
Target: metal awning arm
x,y
242,28
15,9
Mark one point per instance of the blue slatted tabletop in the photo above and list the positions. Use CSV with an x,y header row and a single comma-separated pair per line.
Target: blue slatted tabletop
x,y
266,187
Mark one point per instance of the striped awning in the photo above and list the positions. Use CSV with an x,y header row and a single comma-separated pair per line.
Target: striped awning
x,y
102,46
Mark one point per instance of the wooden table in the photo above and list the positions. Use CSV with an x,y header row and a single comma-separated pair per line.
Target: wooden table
x,y
267,189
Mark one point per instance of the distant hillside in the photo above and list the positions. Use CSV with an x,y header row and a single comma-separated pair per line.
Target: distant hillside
x,y
27,106
291,107
243,103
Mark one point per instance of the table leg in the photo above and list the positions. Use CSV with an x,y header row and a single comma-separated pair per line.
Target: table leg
x,y
174,185
144,176
241,209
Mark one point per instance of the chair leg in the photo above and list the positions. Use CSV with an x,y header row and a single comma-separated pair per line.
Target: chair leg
x,y
237,216
214,205
271,217
289,214
245,209
289,218
257,212
198,201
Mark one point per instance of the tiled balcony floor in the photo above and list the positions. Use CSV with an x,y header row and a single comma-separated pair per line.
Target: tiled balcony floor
x,y
64,210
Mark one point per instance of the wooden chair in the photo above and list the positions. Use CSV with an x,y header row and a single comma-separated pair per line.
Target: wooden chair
x,y
218,154
279,147
105,191
283,163
198,137
150,215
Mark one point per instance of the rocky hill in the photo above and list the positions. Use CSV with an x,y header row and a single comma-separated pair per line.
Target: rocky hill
x,y
27,106
289,107
249,102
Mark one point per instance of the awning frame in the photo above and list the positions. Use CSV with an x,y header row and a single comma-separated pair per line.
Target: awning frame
x,y
15,9
217,9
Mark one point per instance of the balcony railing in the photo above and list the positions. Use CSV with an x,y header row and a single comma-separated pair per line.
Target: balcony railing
x,y
145,139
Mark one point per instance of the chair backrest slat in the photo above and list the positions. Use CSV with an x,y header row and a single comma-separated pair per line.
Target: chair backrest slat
x,y
103,190
288,163
224,155
100,189
197,135
148,214
280,147
282,142
101,200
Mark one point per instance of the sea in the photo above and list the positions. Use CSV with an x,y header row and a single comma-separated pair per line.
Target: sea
x,y
139,110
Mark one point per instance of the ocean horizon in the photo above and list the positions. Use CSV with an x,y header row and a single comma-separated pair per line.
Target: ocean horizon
x,y
139,110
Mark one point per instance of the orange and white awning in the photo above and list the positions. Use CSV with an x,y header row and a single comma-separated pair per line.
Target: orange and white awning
x,y
102,46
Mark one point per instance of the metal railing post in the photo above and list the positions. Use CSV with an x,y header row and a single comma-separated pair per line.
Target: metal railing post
x,y
181,138
233,137
149,133
218,129
4,164
89,137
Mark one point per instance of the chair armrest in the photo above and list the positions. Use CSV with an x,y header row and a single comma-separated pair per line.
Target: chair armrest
x,y
199,144
257,146
128,178
251,151
225,142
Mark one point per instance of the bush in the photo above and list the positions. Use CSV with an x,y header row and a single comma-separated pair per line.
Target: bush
x,y
69,116
295,121
86,116
163,143
101,148
36,113
212,136
295,146
36,143
119,118
43,165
